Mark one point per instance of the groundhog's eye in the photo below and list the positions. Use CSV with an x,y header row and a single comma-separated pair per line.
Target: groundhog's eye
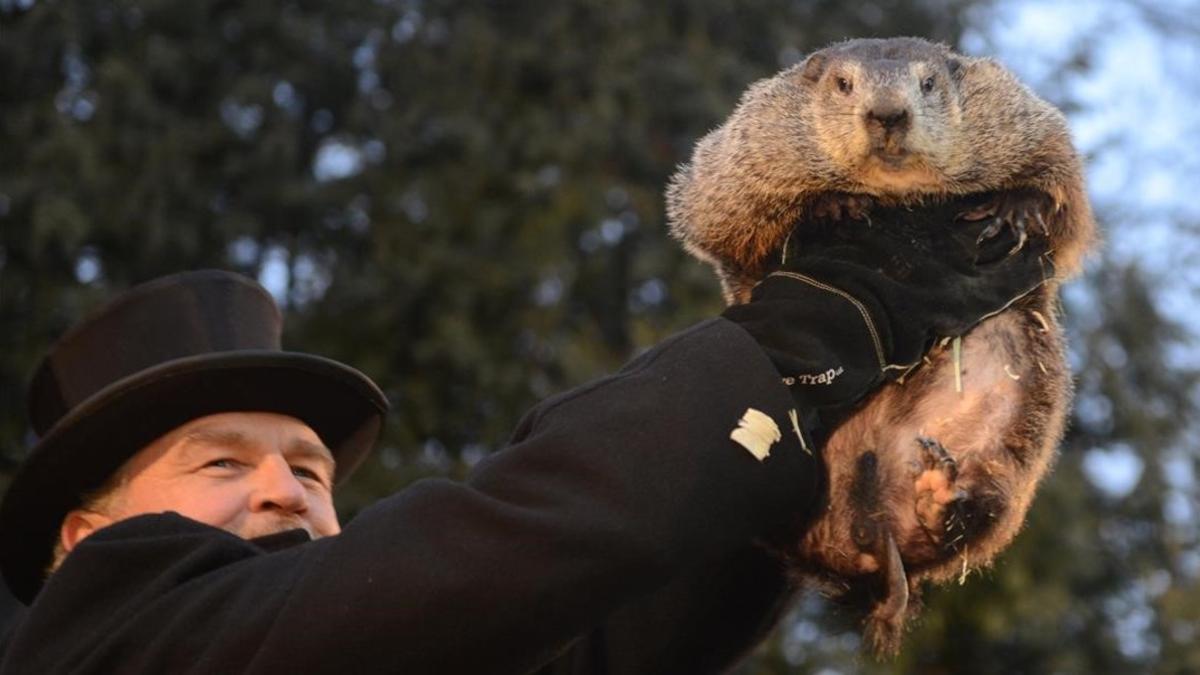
x,y
927,84
844,85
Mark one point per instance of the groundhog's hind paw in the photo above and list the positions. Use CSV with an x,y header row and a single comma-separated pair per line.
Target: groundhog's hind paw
x,y
936,490
1016,211
953,510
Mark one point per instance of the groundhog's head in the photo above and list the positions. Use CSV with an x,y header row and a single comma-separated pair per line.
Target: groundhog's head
x,y
886,111
876,116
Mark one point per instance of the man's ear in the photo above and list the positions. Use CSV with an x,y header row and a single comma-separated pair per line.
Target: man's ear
x,y
78,524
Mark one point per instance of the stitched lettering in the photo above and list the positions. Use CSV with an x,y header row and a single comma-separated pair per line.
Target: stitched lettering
x,y
826,377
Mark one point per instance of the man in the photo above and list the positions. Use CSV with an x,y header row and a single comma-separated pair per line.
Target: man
x,y
176,513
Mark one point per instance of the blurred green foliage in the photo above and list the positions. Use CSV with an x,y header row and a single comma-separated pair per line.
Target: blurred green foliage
x,y
464,201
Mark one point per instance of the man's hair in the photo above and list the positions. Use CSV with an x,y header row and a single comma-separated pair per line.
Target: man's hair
x,y
100,500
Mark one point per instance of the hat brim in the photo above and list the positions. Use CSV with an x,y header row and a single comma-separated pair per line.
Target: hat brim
x,y
78,454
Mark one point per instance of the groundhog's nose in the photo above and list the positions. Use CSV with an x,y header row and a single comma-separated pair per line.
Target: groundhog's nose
x,y
888,118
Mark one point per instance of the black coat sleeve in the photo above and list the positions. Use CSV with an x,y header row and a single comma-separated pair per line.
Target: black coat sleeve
x,y
705,620
607,494
11,613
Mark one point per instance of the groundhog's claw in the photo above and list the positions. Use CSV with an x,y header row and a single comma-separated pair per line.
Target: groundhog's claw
x,y
1018,229
1016,210
940,456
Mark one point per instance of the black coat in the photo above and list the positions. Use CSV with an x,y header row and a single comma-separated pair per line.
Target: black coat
x,y
615,535
11,613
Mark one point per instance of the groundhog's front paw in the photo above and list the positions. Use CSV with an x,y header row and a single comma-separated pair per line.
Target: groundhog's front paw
x,y
839,206
1016,210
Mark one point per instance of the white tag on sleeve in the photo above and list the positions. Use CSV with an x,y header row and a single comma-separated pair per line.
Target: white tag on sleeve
x,y
756,432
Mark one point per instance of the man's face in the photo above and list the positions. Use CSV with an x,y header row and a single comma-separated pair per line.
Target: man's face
x,y
252,474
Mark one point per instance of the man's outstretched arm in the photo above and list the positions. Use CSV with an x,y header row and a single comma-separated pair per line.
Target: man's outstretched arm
x,y
607,493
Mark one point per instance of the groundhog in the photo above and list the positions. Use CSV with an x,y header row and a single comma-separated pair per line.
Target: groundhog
x,y
933,475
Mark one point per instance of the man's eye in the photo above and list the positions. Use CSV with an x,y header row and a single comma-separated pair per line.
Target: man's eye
x,y
223,463
301,472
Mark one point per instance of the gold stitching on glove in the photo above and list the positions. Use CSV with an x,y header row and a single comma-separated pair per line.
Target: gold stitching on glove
x,y
862,309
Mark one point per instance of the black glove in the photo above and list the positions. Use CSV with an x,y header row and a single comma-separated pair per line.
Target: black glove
x,y
855,304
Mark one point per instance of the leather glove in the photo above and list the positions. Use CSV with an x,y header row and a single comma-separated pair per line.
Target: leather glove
x,y
857,304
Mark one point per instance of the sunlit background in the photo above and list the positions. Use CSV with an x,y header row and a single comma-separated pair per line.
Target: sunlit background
x,y
464,200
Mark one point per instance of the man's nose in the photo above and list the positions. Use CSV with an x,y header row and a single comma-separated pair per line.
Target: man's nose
x,y
277,488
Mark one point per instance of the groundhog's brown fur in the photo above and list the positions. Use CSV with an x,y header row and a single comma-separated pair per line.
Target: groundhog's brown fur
x,y
946,476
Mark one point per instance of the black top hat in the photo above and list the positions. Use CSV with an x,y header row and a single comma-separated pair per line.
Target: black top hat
x,y
154,358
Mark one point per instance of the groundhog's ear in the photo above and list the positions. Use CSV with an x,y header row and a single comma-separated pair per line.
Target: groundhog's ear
x,y
956,68
814,66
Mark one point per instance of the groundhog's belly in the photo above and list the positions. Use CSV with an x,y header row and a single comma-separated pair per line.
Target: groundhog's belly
x,y
947,461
